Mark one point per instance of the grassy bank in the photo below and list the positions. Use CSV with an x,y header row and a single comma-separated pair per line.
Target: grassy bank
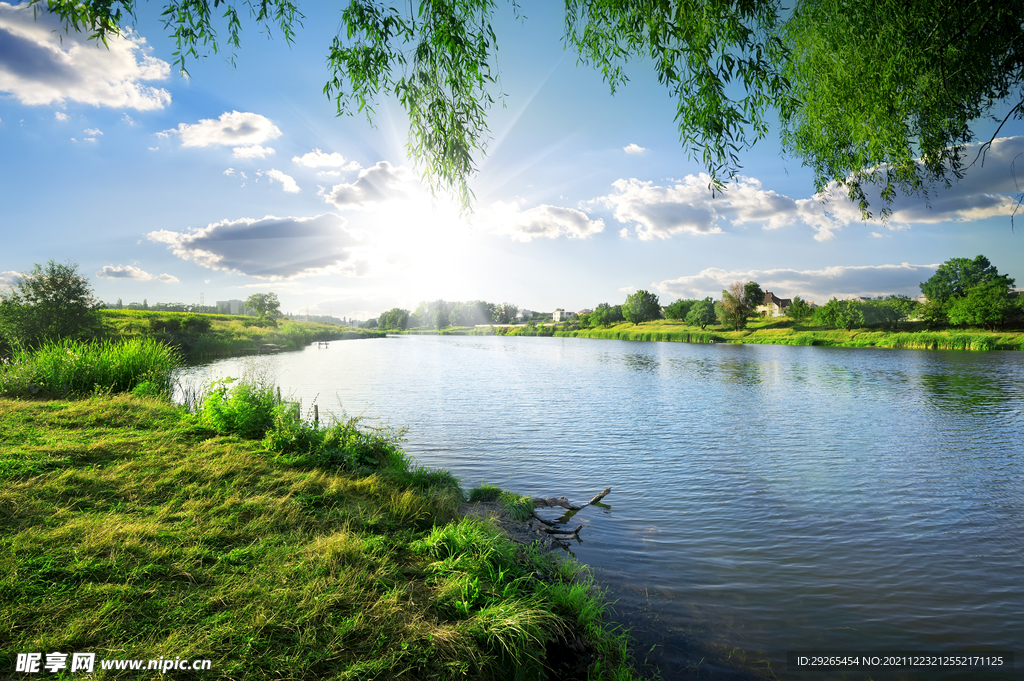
x,y
201,336
242,535
770,332
791,333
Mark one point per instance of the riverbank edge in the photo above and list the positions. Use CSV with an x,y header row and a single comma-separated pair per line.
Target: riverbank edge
x,y
976,340
224,335
52,447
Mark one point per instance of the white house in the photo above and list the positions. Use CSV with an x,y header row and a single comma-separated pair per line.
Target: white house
x,y
561,315
773,305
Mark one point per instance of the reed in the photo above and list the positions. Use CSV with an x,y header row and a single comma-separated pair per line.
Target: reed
x,y
70,367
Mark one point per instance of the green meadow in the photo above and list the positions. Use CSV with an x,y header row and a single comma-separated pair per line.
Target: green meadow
x,y
203,336
786,332
235,531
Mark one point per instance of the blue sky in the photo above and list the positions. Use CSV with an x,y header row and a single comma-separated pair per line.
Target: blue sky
x,y
241,180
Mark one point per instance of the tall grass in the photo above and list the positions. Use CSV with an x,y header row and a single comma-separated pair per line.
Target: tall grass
x,y
76,368
519,507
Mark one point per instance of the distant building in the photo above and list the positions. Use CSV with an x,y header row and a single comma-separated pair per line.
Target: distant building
x,y
233,307
561,315
773,305
585,310
523,315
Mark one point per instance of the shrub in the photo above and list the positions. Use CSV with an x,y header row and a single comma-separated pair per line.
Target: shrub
x,y
248,410
194,323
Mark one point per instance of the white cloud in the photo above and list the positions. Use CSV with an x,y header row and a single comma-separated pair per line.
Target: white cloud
x,y
93,132
125,118
244,131
129,272
153,148
541,221
318,159
229,172
40,64
9,278
287,181
61,116
634,149
816,285
255,151
375,185
270,248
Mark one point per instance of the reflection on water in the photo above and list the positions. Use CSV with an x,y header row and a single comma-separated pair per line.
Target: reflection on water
x,y
764,498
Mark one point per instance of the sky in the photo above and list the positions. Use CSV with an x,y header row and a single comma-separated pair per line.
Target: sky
x,y
241,179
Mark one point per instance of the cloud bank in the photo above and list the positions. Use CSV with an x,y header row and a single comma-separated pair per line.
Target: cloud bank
x,y
129,272
270,248
813,285
660,211
40,64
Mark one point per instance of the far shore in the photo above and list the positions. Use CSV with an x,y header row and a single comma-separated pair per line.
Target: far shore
x,y
913,335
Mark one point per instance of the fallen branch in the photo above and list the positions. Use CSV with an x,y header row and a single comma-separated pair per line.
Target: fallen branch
x,y
562,531
565,503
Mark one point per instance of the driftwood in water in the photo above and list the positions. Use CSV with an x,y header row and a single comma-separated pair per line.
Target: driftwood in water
x,y
562,531
554,529
565,503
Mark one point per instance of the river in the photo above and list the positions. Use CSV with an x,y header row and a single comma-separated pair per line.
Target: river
x,y
765,499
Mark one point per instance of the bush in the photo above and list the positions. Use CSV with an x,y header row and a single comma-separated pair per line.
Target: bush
x,y
248,410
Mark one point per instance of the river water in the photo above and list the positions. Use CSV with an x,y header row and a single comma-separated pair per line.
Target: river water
x,y
765,499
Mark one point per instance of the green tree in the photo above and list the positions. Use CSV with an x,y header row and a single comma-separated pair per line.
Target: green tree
x,y
863,89
988,306
956,276
738,303
799,310
441,317
640,307
606,315
265,304
679,309
394,319
505,313
843,314
701,313
891,310
51,302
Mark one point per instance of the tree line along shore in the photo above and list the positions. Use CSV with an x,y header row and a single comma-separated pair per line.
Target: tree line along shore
x,y
966,305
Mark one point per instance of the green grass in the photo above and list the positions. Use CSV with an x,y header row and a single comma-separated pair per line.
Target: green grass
x,y
199,336
786,332
134,529
68,367
519,507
